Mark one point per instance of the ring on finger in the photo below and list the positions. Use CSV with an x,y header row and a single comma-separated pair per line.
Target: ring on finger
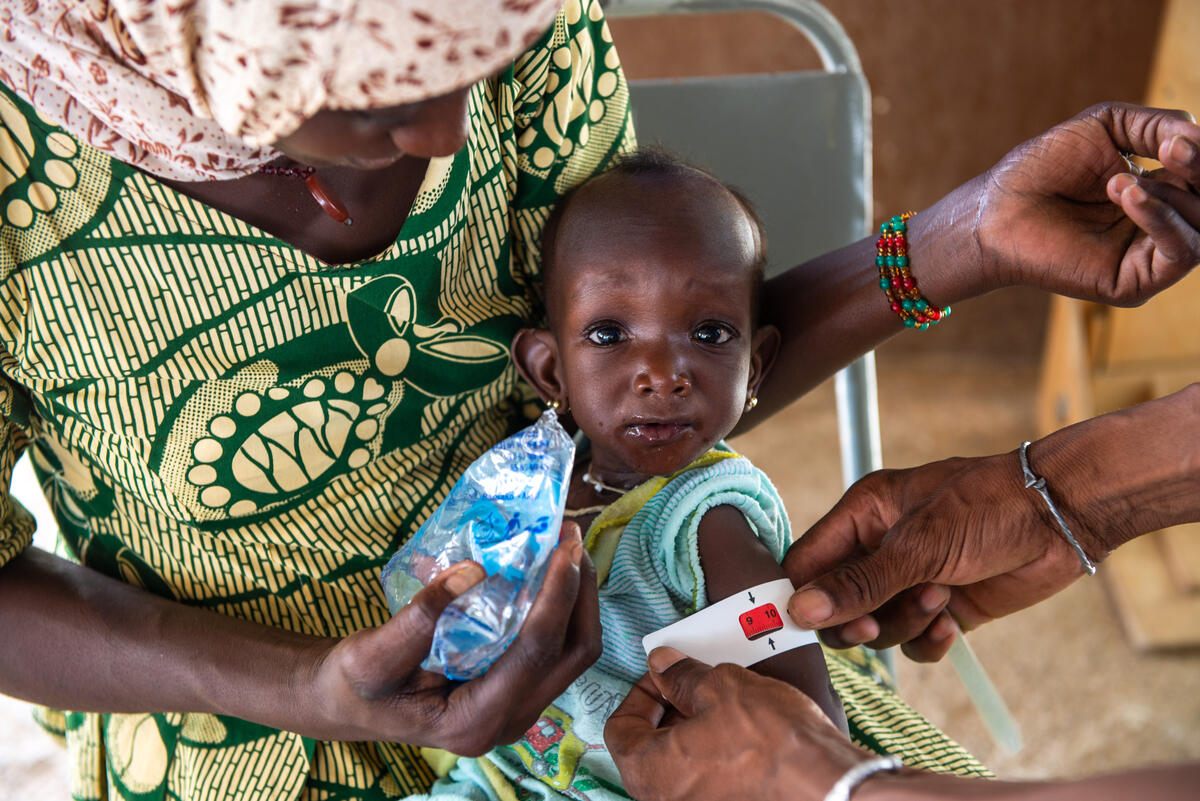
x,y
1134,167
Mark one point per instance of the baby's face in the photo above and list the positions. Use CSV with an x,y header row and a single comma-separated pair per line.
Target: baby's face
x,y
654,330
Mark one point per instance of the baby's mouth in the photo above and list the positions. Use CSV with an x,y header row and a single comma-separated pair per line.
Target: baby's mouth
x,y
657,433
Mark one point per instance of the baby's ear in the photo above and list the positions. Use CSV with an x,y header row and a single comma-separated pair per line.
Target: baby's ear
x,y
535,353
762,355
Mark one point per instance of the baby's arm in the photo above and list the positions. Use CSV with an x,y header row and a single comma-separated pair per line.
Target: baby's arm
x,y
734,559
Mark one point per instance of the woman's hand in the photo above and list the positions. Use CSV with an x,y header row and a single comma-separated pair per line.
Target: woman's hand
x,y
731,734
163,655
1066,212
1063,212
370,686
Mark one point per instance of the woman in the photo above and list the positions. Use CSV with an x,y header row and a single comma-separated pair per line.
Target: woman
x,y
242,405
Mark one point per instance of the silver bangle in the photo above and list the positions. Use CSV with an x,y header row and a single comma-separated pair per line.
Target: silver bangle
x,y
1038,484
860,773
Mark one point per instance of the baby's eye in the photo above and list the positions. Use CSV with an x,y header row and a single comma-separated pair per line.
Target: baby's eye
x,y
712,334
605,335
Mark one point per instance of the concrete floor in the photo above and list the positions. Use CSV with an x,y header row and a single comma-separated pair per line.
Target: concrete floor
x,y
1086,702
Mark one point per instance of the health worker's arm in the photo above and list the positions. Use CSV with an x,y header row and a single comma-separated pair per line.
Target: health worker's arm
x,y
1062,212
748,736
970,533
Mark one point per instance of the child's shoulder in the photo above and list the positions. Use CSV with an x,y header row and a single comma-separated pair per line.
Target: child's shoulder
x,y
722,489
720,477
721,469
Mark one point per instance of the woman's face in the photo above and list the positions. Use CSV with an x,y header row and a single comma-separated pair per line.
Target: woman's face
x,y
376,138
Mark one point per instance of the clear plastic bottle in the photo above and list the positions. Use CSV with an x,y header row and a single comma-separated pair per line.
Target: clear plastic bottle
x,y
504,513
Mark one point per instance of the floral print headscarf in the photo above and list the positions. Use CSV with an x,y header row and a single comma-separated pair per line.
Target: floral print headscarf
x,y
199,89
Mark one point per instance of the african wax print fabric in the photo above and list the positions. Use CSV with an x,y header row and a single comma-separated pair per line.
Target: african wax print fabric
x,y
225,421
199,90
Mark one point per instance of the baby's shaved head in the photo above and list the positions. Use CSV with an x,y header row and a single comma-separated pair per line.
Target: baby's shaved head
x,y
651,189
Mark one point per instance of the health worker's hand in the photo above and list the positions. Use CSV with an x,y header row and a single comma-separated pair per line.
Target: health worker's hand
x,y
730,734
966,535
740,735
904,546
1067,212
370,686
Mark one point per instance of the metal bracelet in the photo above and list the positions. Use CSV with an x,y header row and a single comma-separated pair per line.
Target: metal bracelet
x,y
1038,484
860,773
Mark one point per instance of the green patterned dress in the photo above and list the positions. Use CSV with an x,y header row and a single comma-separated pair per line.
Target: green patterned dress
x,y
223,420
228,422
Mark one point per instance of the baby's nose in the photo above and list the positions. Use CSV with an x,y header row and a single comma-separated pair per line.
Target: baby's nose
x,y
663,379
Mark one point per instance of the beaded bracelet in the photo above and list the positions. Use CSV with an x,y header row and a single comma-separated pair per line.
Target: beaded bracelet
x,y
897,283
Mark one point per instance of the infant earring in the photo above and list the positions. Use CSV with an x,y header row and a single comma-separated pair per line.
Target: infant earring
x,y
554,405
750,404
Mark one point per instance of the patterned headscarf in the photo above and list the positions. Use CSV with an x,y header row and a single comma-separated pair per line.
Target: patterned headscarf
x,y
199,89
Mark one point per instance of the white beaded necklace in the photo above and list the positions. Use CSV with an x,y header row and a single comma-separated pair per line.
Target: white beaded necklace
x,y
599,485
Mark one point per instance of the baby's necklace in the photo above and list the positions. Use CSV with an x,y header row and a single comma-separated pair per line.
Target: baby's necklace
x,y
599,485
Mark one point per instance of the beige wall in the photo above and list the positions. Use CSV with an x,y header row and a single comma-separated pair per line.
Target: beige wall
x,y
956,83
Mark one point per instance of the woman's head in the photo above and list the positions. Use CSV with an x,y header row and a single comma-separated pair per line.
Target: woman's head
x,y
375,138
652,278
204,89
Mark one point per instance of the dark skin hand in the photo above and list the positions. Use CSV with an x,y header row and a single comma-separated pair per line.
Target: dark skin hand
x,y
150,654
1094,230
380,667
1032,556
1061,212
716,721
905,548
747,736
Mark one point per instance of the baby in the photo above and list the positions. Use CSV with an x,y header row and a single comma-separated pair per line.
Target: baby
x,y
654,350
